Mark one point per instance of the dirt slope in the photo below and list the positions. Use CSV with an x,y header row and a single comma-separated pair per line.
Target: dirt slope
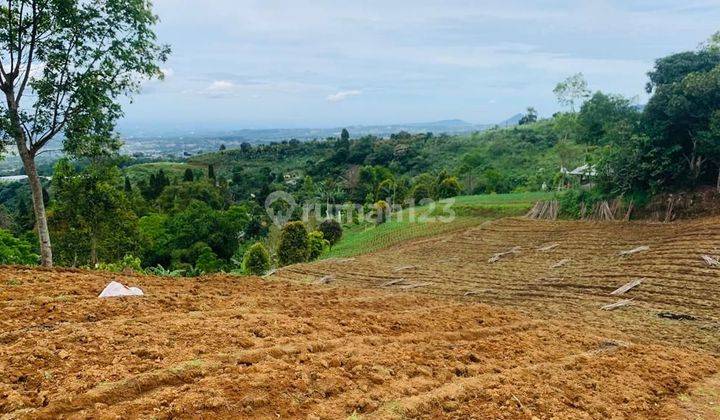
x,y
252,348
675,278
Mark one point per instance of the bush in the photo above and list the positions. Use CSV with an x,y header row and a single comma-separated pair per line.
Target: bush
x,y
421,192
16,251
208,262
256,260
570,202
127,263
332,231
293,246
317,244
382,212
449,187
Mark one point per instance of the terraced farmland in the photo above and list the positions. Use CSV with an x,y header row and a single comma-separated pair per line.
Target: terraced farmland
x,y
588,267
469,324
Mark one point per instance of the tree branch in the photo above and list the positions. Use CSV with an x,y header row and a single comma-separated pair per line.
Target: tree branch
x,y
33,40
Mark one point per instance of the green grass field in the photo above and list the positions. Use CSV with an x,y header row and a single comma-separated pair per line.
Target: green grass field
x,y
469,211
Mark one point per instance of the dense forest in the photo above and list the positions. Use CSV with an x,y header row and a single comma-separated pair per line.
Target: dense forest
x,y
207,214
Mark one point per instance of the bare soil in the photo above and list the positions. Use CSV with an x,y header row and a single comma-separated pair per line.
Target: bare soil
x,y
527,342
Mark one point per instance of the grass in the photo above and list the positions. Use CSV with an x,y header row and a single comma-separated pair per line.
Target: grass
x,y
468,211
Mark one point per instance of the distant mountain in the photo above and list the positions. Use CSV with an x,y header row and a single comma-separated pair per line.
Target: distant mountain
x,y
514,120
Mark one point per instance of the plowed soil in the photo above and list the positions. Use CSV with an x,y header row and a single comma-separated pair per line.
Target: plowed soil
x,y
393,335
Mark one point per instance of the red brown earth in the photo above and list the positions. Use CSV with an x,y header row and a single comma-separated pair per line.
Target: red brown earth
x,y
529,341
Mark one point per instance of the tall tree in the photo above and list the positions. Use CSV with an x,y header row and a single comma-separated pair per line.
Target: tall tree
x,y
529,118
572,90
63,66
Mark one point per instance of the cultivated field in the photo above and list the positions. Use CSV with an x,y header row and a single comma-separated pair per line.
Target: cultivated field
x,y
429,329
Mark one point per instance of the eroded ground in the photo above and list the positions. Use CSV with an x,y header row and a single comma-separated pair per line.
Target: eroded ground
x,y
529,341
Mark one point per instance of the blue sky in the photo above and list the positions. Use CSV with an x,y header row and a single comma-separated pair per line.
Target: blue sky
x,y
260,64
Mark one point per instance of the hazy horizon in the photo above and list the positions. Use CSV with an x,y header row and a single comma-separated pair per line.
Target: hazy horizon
x,y
247,64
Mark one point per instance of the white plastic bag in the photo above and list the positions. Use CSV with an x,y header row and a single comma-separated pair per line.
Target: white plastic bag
x,y
115,289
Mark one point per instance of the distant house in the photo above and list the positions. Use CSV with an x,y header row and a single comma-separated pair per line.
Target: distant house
x,y
582,175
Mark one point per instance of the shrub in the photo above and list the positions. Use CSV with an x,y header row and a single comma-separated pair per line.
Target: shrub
x,y
317,244
421,192
332,230
16,251
127,263
449,187
293,246
208,262
256,260
382,212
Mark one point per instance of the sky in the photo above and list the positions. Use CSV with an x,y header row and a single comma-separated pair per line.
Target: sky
x,y
315,63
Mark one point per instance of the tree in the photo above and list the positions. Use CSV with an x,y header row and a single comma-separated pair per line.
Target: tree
x,y
188,175
211,171
529,118
222,147
317,244
714,43
673,68
63,66
332,230
572,90
344,135
91,216
256,260
293,246
679,118
600,117
128,185
448,187
382,212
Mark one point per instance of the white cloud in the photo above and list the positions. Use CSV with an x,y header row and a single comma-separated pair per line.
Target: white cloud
x,y
221,88
167,72
342,95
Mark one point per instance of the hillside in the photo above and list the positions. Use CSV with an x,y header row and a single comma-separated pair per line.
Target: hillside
x,y
427,328
561,269
424,221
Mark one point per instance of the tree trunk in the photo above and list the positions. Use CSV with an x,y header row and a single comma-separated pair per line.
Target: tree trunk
x,y
28,159
93,250
38,207
718,181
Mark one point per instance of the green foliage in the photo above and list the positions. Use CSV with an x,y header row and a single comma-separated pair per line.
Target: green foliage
x,y
16,251
331,230
382,212
207,262
604,119
677,145
188,175
161,271
211,171
469,211
91,219
448,187
128,262
317,245
572,90
421,192
256,260
293,246
529,117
